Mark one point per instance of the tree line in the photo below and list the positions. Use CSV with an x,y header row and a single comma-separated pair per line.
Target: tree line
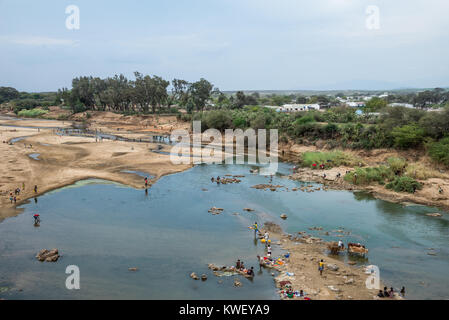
x,y
144,94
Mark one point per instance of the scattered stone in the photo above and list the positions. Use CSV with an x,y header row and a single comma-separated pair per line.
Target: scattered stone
x,y
48,255
349,281
248,209
215,210
334,289
272,227
194,276
133,269
332,267
237,283
283,216
213,267
203,277
263,186
229,180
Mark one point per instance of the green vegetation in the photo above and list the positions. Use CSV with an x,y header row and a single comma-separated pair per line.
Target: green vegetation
x,y
439,151
376,104
330,159
336,125
397,176
404,184
34,113
408,136
363,176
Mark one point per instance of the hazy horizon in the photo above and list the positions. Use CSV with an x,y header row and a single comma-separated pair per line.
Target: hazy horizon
x,y
237,45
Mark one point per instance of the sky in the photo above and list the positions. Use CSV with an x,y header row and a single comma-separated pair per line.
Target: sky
x,y
235,44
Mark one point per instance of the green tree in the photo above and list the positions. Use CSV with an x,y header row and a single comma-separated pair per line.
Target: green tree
x,y
439,151
8,94
408,136
376,104
200,91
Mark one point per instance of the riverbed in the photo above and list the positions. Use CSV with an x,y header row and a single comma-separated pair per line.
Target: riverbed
x,y
106,228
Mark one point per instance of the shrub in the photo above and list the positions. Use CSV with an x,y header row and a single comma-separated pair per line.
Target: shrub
x,y
305,119
404,184
371,174
398,165
408,136
218,119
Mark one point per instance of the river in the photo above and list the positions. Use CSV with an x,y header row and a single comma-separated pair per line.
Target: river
x,y
105,228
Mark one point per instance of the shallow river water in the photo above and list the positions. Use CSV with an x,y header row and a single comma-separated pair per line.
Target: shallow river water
x,y
106,228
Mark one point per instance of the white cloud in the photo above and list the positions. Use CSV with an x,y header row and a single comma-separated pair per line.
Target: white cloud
x,y
38,41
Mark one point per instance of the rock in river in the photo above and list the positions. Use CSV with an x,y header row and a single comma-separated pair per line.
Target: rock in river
x,y
194,276
48,255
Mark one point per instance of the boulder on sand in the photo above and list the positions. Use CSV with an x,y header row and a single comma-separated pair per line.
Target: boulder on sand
x,y
332,267
48,255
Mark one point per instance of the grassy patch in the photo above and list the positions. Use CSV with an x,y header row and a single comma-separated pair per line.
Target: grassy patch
x,y
33,113
368,175
330,159
421,172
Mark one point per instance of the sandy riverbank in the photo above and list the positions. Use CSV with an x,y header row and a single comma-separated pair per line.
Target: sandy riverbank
x,y
428,195
339,280
63,160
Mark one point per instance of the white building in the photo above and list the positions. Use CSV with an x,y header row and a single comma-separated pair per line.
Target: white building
x,y
298,107
356,104
399,104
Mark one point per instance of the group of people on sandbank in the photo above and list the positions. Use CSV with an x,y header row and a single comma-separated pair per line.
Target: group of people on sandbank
x,y
14,194
390,293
